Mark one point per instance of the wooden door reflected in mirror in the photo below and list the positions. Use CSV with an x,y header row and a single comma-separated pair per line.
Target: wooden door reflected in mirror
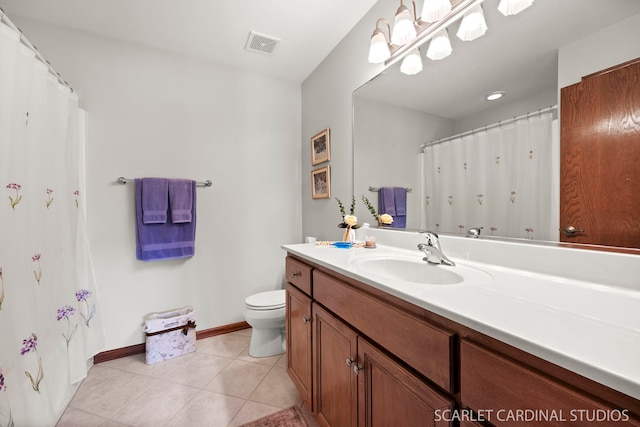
x,y
600,158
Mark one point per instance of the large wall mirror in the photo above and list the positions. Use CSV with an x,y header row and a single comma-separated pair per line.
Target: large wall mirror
x,y
529,56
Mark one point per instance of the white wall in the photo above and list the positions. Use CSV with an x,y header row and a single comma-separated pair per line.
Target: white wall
x,y
504,111
389,157
326,102
154,113
606,48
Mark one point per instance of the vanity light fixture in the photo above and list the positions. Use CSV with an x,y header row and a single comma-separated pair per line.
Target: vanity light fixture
x,y
379,49
513,7
409,34
435,10
404,30
494,95
412,63
473,25
439,46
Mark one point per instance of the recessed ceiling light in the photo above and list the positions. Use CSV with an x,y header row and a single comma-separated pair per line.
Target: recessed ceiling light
x,y
494,95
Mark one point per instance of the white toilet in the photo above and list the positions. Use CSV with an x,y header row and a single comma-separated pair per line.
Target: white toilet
x,y
265,312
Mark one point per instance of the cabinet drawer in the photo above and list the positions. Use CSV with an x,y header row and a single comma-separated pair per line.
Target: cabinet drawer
x,y
421,345
299,274
515,395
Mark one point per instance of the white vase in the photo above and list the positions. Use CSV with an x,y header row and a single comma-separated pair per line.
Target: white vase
x,y
349,235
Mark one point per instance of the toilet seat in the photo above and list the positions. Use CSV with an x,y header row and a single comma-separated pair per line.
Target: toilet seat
x,y
270,300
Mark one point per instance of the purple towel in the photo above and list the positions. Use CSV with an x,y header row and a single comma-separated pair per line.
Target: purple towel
x,y
154,200
400,196
386,201
180,200
164,241
393,201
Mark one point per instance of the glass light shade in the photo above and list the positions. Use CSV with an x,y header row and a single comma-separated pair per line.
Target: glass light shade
x,y
412,63
403,29
439,46
473,25
379,49
435,10
513,7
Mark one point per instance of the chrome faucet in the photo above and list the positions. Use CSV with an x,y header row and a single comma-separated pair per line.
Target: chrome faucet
x,y
432,249
474,232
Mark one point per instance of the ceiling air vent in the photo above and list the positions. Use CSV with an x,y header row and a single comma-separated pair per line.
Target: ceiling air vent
x,y
261,43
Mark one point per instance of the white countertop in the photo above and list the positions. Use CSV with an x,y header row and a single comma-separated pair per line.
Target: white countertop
x,y
586,327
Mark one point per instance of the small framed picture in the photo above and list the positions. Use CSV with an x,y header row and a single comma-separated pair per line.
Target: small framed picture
x,y
320,148
321,183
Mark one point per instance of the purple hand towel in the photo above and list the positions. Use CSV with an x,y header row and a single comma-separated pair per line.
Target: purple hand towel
x,y
180,200
165,240
386,201
400,197
154,200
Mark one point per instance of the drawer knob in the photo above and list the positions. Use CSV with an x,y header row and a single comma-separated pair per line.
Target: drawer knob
x,y
357,369
349,362
296,274
305,320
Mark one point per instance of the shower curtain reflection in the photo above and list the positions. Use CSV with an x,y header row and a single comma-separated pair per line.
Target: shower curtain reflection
x,y
501,180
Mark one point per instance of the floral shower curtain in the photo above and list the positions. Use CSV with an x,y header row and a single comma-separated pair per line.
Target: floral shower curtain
x,y
503,180
49,315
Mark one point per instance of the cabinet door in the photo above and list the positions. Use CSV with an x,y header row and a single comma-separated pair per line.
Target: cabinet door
x,y
335,382
389,395
515,395
298,325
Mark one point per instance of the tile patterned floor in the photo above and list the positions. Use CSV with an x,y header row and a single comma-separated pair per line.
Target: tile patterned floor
x,y
219,385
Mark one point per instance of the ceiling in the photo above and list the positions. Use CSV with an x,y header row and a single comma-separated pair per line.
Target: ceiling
x,y
212,30
518,54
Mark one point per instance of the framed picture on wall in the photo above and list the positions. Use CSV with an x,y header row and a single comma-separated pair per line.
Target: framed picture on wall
x,y
320,148
321,183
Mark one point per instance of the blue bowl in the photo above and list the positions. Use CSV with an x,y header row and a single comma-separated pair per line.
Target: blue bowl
x,y
343,244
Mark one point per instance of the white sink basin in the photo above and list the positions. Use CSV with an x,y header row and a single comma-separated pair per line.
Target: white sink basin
x,y
415,270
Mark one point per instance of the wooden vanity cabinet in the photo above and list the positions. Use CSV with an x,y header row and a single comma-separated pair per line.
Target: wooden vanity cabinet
x,y
368,358
516,395
298,327
426,348
356,383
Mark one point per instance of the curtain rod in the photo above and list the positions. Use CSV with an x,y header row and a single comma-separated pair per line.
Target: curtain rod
x,y
207,183
5,19
487,127
376,189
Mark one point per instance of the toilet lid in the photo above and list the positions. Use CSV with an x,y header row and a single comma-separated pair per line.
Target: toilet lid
x,y
269,300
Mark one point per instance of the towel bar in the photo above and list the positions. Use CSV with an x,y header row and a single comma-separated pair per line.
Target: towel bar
x,y
207,183
376,189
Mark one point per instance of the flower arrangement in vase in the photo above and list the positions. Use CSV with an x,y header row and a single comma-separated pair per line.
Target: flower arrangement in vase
x,y
349,222
384,219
